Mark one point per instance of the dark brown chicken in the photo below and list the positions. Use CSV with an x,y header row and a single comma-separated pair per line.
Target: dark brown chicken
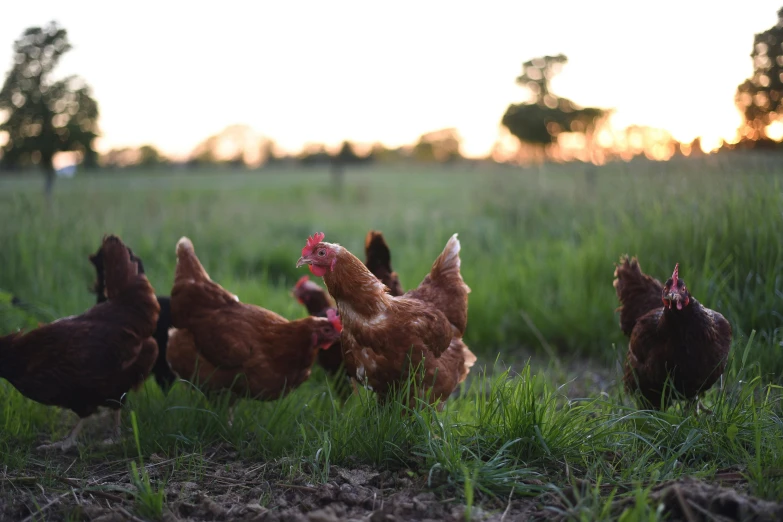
x,y
318,302
161,371
378,260
674,338
235,346
93,359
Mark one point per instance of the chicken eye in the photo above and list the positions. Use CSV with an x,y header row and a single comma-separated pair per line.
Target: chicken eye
x,y
321,253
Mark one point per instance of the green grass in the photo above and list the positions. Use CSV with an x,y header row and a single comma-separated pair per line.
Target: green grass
x,y
538,248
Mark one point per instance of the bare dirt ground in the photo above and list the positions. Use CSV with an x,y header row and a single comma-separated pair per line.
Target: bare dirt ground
x,y
228,489
222,487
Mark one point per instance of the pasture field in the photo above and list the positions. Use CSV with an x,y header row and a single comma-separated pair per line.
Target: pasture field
x,y
540,430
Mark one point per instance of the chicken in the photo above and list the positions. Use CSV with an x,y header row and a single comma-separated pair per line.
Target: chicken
x,y
673,338
163,374
384,336
317,301
378,261
90,360
229,345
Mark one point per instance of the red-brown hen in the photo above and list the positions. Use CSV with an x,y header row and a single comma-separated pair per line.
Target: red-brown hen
x,y
385,336
229,345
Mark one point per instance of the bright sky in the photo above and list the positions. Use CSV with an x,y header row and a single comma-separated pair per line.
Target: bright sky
x,y
173,72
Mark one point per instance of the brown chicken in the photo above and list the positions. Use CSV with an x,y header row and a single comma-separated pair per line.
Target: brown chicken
x,y
93,359
318,302
385,336
674,339
161,371
228,345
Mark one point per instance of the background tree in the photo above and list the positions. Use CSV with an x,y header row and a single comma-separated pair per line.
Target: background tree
x,y
237,146
150,157
544,116
440,145
759,98
45,117
120,158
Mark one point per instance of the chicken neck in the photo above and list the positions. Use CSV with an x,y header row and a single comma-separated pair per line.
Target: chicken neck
x,y
680,320
351,283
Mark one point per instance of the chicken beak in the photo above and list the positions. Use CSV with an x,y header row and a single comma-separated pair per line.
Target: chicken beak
x,y
303,261
675,299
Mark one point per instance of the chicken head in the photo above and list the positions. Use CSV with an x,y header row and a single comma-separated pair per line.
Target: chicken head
x,y
675,294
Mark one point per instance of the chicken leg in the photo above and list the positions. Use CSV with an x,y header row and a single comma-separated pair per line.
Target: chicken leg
x,y
116,436
698,407
67,443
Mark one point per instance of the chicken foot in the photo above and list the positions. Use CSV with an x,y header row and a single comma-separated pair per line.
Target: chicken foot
x,y
698,407
67,443
116,437
701,407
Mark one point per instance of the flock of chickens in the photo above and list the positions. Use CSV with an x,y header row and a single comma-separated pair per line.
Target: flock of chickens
x,y
376,334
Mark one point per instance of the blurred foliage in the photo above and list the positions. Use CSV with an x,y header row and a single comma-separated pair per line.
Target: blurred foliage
x,y
540,121
441,146
236,146
760,97
146,156
347,155
45,116
149,156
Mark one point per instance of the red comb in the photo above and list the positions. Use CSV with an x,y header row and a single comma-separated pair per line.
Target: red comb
x,y
312,242
302,280
334,319
676,274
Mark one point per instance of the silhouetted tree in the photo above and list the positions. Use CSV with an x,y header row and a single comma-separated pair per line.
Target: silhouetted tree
x,y
539,121
205,153
149,156
760,97
120,157
45,117
237,146
269,155
345,157
441,146
314,154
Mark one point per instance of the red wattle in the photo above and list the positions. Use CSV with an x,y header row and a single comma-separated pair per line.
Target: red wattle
x,y
318,271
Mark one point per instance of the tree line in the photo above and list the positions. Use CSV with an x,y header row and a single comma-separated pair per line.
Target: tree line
x,y
42,116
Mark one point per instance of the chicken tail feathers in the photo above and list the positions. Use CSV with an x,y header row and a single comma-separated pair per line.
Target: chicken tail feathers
x,y
378,261
188,265
470,360
637,292
444,287
119,269
376,250
446,267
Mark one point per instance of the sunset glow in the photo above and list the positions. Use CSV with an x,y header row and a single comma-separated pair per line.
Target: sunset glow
x,y
172,74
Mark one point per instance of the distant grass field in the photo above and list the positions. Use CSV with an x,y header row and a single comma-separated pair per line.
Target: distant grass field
x,y
538,244
538,251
